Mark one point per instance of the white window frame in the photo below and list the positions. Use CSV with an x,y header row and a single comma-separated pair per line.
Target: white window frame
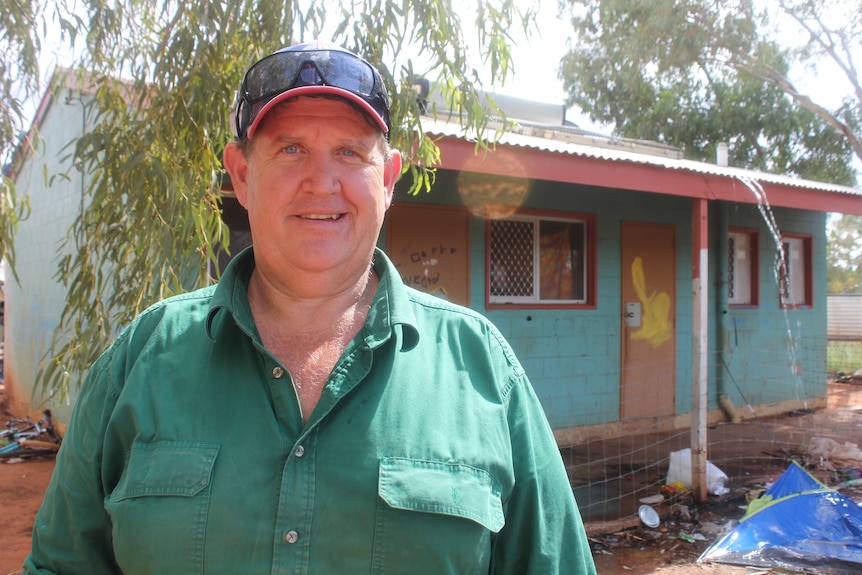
x,y
742,268
796,272
535,300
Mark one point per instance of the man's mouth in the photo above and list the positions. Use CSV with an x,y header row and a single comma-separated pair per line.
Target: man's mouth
x,y
322,216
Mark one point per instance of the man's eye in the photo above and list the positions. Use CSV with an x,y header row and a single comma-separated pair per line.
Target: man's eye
x,y
291,149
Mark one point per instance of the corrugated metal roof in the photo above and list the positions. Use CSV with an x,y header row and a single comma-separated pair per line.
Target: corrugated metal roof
x,y
565,140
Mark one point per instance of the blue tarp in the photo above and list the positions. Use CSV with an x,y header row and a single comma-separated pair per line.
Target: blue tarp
x,y
798,523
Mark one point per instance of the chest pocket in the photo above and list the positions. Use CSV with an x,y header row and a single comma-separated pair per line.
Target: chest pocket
x,y
159,507
435,514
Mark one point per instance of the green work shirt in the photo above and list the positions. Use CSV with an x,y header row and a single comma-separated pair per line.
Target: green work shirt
x,y
428,451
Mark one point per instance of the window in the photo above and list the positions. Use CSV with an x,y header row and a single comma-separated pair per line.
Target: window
x,y
794,271
742,267
536,260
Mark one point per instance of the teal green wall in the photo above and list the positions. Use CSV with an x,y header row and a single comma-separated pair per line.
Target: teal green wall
x,y
771,353
573,356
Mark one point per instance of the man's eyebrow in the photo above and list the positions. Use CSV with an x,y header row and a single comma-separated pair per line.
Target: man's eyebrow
x,y
357,143
284,140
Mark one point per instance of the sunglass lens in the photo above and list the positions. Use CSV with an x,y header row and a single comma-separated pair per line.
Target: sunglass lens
x,y
347,72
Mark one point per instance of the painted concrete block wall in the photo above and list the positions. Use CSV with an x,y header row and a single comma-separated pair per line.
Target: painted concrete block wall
x,y
774,354
573,356
34,305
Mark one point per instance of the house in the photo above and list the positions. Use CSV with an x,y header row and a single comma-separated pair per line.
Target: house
x,y
640,290
676,266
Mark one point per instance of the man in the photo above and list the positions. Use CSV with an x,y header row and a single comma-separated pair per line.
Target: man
x,y
310,414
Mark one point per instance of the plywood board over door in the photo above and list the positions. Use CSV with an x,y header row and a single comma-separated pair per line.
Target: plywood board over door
x,y
430,247
648,382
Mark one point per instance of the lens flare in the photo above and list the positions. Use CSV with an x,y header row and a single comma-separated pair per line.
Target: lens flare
x,y
493,184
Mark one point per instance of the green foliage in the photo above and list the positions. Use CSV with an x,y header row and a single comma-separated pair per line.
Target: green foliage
x,y
19,72
844,255
695,73
844,356
152,225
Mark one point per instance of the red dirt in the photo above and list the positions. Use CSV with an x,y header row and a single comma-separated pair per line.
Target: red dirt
x,y
22,486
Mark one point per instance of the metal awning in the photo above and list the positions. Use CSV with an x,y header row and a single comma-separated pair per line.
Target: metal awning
x,y
566,154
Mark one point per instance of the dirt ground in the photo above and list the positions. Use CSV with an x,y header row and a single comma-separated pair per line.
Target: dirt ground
x,y
22,486
756,456
670,549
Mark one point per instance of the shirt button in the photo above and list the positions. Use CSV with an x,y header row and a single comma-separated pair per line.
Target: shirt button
x,y
277,372
291,536
299,451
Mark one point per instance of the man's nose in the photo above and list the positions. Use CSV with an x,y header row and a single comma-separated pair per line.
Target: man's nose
x,y
321,175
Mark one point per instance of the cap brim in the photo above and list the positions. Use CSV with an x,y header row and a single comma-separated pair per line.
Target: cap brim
x,y
312,91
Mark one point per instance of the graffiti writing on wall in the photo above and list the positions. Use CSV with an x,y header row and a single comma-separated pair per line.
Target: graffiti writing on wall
x,y
656,327
425,266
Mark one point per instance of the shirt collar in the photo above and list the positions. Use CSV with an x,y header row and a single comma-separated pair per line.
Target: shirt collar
x,y
231,295
390,307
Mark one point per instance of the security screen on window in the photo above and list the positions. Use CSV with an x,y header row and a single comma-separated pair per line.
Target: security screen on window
x,y
537,260
742,268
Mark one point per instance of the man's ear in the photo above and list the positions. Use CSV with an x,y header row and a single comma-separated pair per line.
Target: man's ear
x,y
391,173
237,167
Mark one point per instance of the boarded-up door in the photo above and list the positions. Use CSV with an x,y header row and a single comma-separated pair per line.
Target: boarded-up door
x,y
648,386
428,245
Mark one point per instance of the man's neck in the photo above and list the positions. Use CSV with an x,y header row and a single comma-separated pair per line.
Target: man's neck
x,y
309,302
308,335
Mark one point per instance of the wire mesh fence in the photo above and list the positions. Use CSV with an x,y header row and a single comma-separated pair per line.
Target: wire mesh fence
x,y
807,417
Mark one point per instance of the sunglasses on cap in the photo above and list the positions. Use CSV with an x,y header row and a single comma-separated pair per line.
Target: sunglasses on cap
x,y
301,70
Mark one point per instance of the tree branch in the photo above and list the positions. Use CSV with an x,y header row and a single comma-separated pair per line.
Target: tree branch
x,y
829,47
752,66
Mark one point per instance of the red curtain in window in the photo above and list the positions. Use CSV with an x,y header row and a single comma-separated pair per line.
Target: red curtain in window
x,y
555,264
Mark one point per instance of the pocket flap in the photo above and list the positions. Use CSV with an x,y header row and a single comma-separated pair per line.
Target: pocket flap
x,y
446,488
178,468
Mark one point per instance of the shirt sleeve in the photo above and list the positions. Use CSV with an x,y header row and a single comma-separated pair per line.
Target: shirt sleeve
x,y
543,533
72,533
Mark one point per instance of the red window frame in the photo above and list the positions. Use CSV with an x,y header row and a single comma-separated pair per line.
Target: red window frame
x,y
590,260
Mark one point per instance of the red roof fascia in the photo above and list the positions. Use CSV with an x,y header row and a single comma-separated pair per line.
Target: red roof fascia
x,y
540,164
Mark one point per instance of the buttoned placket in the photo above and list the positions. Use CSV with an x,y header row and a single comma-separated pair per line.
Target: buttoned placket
x,y
296,492
295,509
291,553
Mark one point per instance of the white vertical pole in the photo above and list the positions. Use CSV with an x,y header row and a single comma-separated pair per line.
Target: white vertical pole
x,y
700,346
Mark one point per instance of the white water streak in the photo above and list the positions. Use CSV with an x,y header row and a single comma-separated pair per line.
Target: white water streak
x,y
780,273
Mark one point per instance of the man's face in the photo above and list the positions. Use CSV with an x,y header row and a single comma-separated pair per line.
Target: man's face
x,y
316,184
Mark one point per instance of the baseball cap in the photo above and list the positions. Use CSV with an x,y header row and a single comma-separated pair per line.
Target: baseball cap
x,y
304,70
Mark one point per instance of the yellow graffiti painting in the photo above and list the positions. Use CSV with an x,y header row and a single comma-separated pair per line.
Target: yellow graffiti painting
x,y
656,327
